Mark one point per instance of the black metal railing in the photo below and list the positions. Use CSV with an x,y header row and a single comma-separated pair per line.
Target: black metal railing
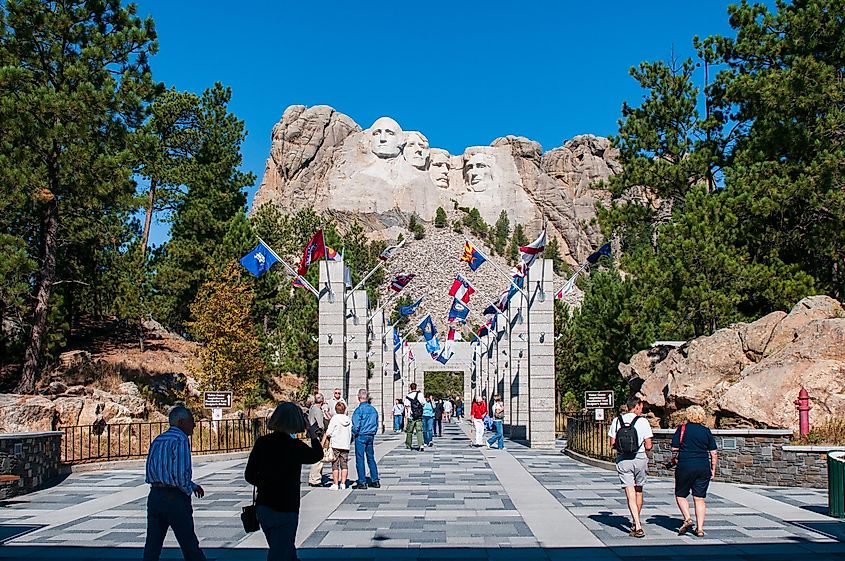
x,y
586,436
101,442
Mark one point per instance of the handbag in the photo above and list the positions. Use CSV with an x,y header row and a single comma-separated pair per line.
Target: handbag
x,y
673,461
249,516
328,454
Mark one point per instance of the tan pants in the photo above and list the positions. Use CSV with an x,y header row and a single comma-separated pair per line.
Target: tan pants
x,y
315,473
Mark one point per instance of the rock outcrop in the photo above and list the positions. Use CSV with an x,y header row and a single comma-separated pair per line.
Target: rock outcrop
x,y
749,374
380,176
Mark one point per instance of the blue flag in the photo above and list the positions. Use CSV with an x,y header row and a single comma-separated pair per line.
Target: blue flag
x,y
397,341
445,355
432,345
603,250
428,329
259,260
410,309
459,311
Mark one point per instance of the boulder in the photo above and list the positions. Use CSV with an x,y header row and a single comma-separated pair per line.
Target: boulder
x,y
755,336
23,413
712,365
805,311
129,389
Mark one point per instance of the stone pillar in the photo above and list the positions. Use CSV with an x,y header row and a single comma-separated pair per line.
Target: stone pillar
x,y
331,372
380,359
541,430
516,412
357,309
405,377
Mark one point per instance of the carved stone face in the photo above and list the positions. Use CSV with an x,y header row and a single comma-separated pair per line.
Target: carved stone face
x,y
386,138
478,171
438,168
416,150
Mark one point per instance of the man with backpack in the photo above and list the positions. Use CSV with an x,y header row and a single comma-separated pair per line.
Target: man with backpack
x,y
414,403
630,435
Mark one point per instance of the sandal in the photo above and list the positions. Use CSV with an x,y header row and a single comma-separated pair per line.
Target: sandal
x,y
638,533
685,527
699,533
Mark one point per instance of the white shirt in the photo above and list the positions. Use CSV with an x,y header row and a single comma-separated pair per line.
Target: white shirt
x,y
447,406
418,395
643,431
340,431
398,409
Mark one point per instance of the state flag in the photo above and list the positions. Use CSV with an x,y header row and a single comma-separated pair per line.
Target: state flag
x,y
397,341
427,327
458,311
410,309
445,355
530,252
388,252
567,288
603,250
461,289
314,251
259,260
472,256
432,345
401,281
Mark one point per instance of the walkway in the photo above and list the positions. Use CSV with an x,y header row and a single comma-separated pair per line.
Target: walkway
x,y
450,501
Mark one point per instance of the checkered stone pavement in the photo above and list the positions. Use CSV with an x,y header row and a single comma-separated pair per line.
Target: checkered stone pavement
x,y
451,500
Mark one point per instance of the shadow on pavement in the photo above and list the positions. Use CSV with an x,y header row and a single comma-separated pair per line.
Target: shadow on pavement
x,y
606,518
689,552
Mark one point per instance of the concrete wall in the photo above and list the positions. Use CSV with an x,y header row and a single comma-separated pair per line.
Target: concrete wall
x,y
541,430
34,457
331,372
357,308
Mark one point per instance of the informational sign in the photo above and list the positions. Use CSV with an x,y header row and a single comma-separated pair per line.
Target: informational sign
x,y
599,414
216,414
211,400
598,400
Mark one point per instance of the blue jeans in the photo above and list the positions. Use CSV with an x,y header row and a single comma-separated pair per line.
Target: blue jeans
x,y
280,530
171,508
364,446
428,429
498,436
397,423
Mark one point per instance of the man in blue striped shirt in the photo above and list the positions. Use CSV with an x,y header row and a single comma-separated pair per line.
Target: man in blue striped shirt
x,y
169,475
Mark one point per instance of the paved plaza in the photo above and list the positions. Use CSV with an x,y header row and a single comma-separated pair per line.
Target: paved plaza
x,y
449,502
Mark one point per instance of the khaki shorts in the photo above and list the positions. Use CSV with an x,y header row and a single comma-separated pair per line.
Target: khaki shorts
x,y
632,473
341,459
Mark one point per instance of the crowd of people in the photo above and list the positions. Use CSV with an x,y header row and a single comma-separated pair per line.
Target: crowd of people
x,y
275,463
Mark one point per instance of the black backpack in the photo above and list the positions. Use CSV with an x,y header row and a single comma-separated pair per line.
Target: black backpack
x,y
627,440
416,407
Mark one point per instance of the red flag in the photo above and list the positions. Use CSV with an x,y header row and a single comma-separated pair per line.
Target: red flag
x,y
314,251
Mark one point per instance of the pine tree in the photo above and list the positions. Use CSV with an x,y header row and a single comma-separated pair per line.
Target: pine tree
x,y
518,240
440,219
501,230
75,77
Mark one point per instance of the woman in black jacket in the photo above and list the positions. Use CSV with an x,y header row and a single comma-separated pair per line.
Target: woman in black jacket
x,y
275,468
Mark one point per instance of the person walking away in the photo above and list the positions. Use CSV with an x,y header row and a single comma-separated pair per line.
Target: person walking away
x,y
631,437
447,410
398,415
694,448
478,411
438,417
317,419
459,410
428,421
169,475
498,423
414,403
332,403
364,429
339,437
275,467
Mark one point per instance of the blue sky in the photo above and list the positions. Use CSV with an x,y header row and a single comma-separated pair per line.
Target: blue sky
x,y
463,73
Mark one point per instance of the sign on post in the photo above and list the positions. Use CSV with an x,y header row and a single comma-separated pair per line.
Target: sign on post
x,y
216,414
599,414
214,400
598,399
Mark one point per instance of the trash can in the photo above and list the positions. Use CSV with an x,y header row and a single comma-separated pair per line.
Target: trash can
x,y
836,484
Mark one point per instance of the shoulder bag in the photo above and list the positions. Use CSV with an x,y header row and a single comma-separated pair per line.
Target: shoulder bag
x,y
249,516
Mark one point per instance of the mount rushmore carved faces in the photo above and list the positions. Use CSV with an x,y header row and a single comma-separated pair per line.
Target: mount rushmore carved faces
x,y
478,171
416,149
438,167
386,138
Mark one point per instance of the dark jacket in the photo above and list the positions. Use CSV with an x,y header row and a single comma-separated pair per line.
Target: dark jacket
x,y
438,411
275,467
364,420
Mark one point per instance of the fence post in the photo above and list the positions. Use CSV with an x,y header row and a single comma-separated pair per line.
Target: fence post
x,y
108,442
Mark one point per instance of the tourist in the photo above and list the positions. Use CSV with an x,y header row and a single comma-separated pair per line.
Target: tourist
x,y
317,420
478,412
630,435
428,421
414,403
332,403
169,475
364,429
448,407
498,423
339,437
438,417
398,415
459,410
274,467
694,448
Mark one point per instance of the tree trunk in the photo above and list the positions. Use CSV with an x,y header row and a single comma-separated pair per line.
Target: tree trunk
x,y
35,346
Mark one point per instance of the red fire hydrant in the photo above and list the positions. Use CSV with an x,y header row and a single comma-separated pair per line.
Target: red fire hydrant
x,y
803,403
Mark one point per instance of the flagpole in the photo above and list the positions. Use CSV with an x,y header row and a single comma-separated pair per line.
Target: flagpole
x,y
326,260
528,360
290,270
510,376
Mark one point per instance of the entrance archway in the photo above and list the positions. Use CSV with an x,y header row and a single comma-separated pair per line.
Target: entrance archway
x,y
443,384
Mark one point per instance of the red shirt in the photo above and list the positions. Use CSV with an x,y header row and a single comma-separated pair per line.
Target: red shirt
x,y
479,410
